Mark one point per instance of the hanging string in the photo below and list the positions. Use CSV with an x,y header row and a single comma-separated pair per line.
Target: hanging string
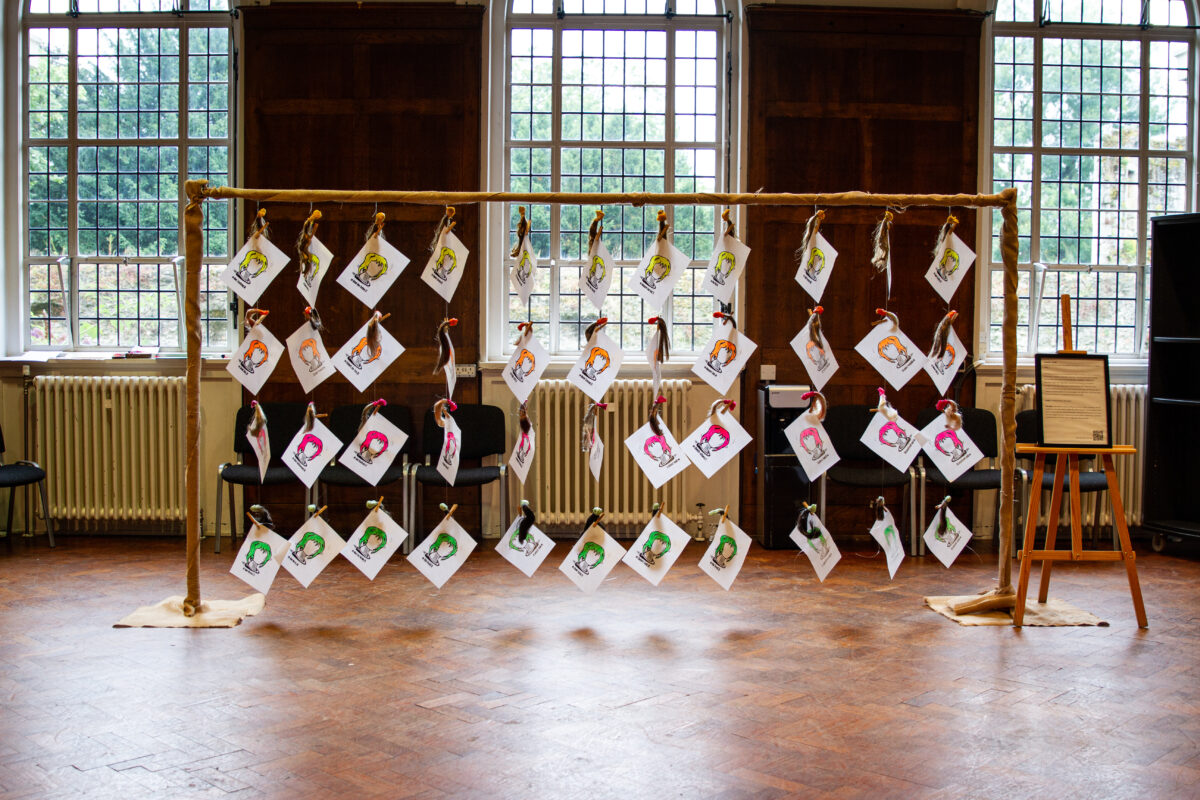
x,y
522,232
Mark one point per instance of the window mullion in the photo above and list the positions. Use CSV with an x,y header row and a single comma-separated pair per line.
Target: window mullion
x,y
184,156
669,154
556,256
73,185
1143,230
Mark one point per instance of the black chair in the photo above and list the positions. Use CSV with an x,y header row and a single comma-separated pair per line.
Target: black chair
x,y
980,425
344,421
860,466
23,473
1029,431
483,435
283,420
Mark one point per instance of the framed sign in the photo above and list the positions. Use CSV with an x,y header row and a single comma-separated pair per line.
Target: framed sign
x,y
1073,400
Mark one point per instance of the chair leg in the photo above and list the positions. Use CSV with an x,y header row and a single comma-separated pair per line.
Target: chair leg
x,y
8,531
920,532
503,502
217,516
46,512
232,520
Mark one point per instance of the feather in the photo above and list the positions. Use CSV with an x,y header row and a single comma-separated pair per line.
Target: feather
x,y
947,228
814,326
527,521
810,231
522,232
445,346
595,326
941,335
882,243
261,516
258,419
446,223
595,229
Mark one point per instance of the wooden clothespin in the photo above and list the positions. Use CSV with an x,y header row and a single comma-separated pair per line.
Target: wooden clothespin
x,y
448,509
314,512
255,316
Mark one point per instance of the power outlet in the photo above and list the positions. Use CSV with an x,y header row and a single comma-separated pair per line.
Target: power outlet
x,y
767,372
464,370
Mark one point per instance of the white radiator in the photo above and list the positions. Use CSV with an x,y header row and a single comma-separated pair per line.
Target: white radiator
x,y
112,447
1128,427
562,489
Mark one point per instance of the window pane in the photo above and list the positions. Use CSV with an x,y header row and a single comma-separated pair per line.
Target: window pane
x,y
48,324
48,73
128,83
128,304
128,201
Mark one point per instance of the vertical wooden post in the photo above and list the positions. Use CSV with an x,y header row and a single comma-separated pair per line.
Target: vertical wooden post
x,y
193,237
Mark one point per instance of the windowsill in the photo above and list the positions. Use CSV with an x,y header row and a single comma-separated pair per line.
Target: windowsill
x,y
1121,369
82,362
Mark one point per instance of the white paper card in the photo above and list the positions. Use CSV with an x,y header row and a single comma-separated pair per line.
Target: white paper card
x,y
310,359
597,275
716,442
891,353
896,441
523,269
372,271
815,266
943,369
591,558
725,267
596,454
821,550
524,369
887,534
373,449
597,366
253,268
257,562
950,450
818,360
657,548
950,265
947,546
726,553
724,357
321,258
310,451
526,557
374,541
311,549
359,364
256,358
449,457
444,550
660,457
451,372
521,457
660,269
445,267
260,445
811,444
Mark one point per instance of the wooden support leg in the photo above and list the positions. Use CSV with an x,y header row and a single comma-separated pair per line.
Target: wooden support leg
x,y
1031,521
1076,508
1127,554
1056,496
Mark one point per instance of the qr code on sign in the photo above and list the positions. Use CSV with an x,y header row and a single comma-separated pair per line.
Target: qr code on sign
x,y
1097,436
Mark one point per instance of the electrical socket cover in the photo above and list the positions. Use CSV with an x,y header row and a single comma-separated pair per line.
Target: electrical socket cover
x,y
464,370
767,372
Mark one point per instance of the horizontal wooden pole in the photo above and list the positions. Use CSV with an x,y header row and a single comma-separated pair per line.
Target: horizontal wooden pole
x,y
1067,555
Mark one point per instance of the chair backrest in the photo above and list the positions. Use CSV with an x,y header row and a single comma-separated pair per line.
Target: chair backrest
x,y
979,423
1,440
283,420
482,428
845,425
344,422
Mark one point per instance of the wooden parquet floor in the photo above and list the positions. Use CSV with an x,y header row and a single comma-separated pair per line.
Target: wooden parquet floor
x,y
501,686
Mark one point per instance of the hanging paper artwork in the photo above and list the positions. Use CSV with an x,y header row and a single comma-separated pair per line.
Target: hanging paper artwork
x,y
718,440
311,549
892,437
657,548
444,550
374,448
374,541
661,267
815,351
310,359
597,275
598,364
952,259
257,562
319,259
815,541
524,268
726,553
893,355
947,444
373,270
655,450
591,558
445,267
310,450
254,267
947,536
527,363
814,258
809,440
725,355
521,457
596,455
887,534
726,265
256,358
260,441
450,455
525,555
946,355
363,362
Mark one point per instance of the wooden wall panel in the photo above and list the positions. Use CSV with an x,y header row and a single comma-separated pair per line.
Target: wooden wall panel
x,y
367,97
877,100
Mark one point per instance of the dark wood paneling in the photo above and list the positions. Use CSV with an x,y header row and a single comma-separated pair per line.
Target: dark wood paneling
x,y
880,101
367,97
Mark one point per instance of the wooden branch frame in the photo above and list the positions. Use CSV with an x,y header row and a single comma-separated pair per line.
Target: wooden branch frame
x,y
198,191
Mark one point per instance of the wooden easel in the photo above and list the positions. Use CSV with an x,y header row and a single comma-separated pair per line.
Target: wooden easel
x,y
1069,457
